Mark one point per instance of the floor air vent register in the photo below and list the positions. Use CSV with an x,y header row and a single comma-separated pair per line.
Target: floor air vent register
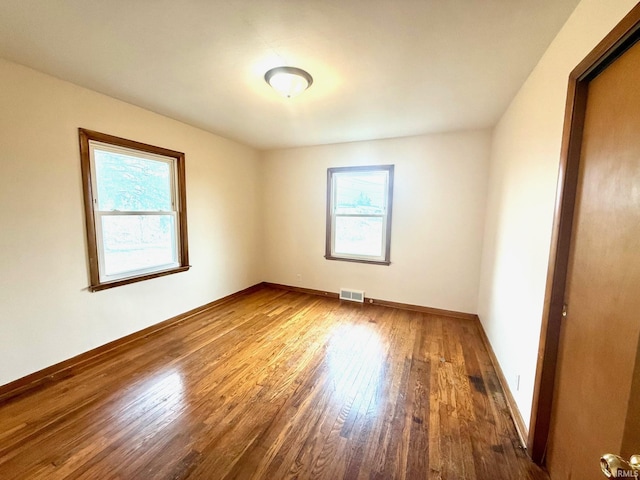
x,y
352,295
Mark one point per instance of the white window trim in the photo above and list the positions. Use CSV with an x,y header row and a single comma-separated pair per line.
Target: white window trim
x,y
99,214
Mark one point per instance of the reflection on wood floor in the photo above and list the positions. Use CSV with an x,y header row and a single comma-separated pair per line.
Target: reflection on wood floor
x,y
275,385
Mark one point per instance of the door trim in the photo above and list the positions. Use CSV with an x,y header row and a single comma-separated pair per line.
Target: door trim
x,y
625,34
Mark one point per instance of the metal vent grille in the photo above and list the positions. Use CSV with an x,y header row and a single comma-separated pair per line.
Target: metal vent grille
x,y
352,295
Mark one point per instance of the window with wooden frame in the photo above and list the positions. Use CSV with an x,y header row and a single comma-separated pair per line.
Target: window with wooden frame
x,y
135,209
359,201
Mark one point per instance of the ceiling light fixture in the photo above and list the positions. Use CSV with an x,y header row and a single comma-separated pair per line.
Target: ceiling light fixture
x,y
288,81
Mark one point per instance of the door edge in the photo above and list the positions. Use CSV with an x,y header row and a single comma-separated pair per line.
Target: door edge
x,y
623,35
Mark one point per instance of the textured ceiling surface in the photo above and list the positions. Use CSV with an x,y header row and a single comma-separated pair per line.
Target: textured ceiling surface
x,y
381,68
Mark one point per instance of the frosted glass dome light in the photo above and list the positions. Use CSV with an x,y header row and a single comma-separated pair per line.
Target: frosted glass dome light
x,y
288,81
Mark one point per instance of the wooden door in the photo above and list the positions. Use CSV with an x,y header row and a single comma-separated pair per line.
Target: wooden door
x,y
594,405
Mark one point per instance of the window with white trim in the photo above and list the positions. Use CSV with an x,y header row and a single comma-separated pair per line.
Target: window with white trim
x,y
135,210
359,201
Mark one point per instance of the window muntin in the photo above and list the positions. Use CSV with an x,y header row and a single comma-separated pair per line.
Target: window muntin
x,y
135,208
359,213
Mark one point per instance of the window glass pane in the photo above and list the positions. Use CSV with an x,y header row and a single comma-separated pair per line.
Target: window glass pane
x,y
129,183
136,242
362,193
358,236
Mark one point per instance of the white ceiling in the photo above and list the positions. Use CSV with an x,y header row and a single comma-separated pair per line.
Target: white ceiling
x,y
381,68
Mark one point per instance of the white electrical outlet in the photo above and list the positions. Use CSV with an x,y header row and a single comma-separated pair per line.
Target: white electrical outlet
x,y
517,383
299,277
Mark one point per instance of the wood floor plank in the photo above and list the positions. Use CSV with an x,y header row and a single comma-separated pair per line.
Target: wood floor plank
x,y
275,385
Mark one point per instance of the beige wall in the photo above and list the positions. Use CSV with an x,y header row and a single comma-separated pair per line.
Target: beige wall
x,y
523,173
46,313
438,211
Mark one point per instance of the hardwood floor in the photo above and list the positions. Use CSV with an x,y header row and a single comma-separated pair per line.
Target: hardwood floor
x,y
275,385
